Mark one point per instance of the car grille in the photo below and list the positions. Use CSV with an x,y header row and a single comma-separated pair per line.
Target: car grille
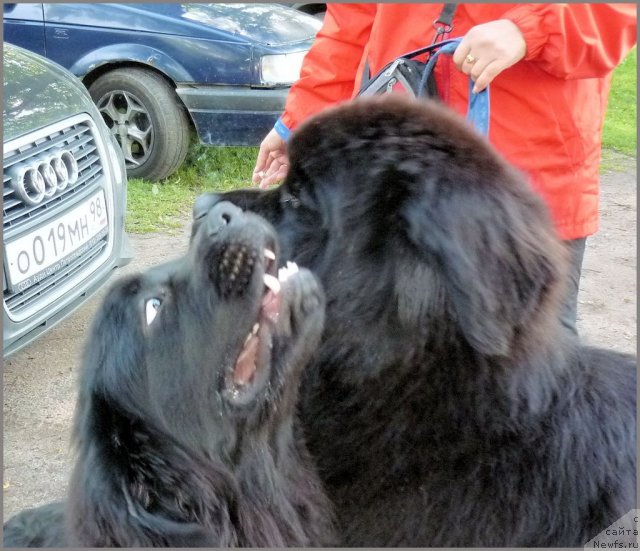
x,y
77,137
80,141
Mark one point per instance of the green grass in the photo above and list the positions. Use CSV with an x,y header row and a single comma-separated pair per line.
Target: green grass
x,y
165,206
614,161
620,128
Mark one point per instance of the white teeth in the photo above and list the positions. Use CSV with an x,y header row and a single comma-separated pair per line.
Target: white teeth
x,y
272,283
254,331
269,254
287,271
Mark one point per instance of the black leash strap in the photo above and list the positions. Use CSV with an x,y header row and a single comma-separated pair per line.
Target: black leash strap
x,y
443,24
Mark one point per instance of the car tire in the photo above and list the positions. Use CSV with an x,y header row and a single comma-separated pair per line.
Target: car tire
x,y
147,119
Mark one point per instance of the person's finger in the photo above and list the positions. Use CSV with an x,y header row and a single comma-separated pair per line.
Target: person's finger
x,y
277,158
271,148
469,63
274,161
261,163
264,169
276,172
491,71
480,65
275,177
460,53
271,169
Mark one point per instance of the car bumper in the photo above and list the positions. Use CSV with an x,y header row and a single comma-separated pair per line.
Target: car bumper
x,y
225,115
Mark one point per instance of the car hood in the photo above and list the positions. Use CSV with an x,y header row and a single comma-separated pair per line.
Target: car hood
x,y
37,92
269,24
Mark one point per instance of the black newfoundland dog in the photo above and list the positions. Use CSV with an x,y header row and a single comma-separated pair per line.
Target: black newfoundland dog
x,y
185,427
446,404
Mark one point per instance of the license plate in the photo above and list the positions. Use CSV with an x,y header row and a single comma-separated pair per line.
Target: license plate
x,y
40,253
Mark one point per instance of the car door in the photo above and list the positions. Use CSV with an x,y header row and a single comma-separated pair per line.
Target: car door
x,y
23,25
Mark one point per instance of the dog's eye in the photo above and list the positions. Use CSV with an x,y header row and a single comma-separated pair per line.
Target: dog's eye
x,y
151,309
288,199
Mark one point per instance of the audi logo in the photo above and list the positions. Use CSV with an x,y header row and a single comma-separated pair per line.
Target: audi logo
x,y
44,176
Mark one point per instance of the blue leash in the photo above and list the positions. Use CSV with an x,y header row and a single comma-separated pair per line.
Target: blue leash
x,y
478,109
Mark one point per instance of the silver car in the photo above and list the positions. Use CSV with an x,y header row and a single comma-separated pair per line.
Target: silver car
x,y
64,197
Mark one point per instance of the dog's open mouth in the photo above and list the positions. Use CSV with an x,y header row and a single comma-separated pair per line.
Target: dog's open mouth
x,y
247,362
236,265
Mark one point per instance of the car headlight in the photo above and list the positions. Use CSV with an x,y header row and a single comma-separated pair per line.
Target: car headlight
x,y
281,68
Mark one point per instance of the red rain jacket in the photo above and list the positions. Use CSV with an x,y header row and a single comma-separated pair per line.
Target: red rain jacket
x,y
547,110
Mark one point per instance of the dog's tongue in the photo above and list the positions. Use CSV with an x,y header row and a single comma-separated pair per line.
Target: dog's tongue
x,y
270,306
246,362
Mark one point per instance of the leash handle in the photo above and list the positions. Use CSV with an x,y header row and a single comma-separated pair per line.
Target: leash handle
x,y
478,110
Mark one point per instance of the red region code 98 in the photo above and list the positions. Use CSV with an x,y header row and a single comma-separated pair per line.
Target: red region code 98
x,y
40,249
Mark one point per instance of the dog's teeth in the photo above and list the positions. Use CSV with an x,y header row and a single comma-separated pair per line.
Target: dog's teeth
x,y
272,283
254,331
287,271
248,337
269,254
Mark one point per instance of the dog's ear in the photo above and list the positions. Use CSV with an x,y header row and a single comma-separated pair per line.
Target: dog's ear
x,y
497,251
144,490
113,359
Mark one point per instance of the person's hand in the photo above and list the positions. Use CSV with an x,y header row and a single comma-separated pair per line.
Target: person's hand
x,y
488,49
272,163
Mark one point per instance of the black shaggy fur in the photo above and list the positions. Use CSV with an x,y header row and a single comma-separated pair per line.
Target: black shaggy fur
x,y
170,450
446,405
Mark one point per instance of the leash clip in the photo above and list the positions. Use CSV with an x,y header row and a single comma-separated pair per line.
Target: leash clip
x,y
441,28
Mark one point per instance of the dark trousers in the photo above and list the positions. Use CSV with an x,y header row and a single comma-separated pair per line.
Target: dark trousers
x,y
570,303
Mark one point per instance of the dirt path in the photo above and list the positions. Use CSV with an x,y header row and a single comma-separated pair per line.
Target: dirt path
x,y
39,381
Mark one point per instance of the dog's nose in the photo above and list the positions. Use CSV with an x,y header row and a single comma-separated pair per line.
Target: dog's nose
x,y
203,204
221,215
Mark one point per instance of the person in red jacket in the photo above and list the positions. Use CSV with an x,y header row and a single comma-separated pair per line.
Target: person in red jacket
x,y
550,69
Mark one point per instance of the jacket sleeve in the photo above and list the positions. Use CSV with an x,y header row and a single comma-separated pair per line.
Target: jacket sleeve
x,y
572,41
329,69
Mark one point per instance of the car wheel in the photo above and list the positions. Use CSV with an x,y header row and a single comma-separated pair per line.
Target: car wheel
x,y
145,116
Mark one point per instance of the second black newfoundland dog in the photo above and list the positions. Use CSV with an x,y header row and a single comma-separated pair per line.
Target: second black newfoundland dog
x,y
185,428
446,404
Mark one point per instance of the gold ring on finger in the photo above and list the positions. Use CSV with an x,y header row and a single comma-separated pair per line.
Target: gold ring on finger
x,y
470,59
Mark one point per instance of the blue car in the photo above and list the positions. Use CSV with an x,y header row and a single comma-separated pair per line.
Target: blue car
x,y
158,71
